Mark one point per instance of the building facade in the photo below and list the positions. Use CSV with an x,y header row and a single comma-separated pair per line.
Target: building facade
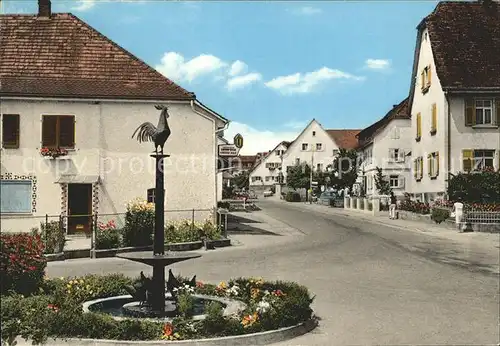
x,y
85,110
267,170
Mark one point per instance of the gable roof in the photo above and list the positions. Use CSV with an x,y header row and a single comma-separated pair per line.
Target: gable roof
x,y
264,156
399,111
62,56
345,139
465,41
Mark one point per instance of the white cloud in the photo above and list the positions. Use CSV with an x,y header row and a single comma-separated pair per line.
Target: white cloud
x,y
84,5
174,66
242,81
304,83
255,140
296,125
307,11
237,68
377,64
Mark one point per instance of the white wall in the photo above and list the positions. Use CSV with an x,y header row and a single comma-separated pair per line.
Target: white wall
x,y
323,156
104,147
395,135
262,171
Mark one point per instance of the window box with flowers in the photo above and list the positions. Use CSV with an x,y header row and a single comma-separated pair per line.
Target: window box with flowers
x,y
53,152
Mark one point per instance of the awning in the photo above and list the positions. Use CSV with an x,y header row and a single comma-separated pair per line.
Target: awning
x,y
78,179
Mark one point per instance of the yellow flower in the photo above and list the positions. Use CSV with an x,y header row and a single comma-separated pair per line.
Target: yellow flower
x,y
61,278
68,285
254,293
81,281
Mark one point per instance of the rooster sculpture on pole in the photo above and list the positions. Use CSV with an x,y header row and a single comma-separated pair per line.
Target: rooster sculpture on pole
x,y
159,134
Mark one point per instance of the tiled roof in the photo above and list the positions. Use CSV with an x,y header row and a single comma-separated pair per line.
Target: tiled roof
x,y
399,111
345,139
465,41
248,158
62,56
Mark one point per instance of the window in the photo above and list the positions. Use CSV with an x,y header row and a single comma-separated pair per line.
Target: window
x,y
268,178
16,196
256,178
419,127
368,156
272,165
58,131
482,112
10,131
335,152
396,155
425,79
433,119
151,195
476,160
297,161
319,167
314,133
304,146
369,182
395,133
433,165
394,181
418,168
319,146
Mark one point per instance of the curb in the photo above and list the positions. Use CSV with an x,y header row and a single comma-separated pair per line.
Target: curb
x,y
263,338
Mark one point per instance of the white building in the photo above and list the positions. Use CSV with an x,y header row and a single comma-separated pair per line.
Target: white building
x,y
455,95
386,145
318,147
87,96
266,171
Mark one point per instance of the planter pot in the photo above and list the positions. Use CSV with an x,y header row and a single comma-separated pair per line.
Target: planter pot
x,y
220,242
189,246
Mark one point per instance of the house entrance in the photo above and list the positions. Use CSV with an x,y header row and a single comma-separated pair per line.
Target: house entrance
x,y
79,208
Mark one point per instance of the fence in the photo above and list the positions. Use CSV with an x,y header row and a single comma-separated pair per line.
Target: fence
x,y
482,217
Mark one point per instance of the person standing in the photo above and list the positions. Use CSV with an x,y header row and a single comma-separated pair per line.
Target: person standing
x,y
392,206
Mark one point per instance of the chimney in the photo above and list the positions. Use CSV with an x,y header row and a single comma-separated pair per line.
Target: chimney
x,y
44,8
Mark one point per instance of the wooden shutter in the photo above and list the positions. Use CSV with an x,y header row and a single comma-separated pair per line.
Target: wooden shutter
x,y
401,183
421,167
10,131
429,165
419,125
434,118
429,75
467,156
497,109
470,112
436,169
422,80
67,131
49,131
415,168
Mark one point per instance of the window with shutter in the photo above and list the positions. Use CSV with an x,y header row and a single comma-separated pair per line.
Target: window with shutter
x,y
419,127
429,165
58,131
467,157
10,131
434,119
470,112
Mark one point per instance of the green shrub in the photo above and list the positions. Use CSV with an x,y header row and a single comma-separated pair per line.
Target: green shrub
x,y
107,236
223,205
52,235
139,223
415,207
185,304
439,215
22,264
476,187
186,231
292,196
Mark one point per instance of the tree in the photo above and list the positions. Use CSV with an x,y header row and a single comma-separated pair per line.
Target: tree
x,y
344,169
241,180
382,185
298,176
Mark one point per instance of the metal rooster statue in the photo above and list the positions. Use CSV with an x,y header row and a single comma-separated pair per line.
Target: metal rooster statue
x,y
159,135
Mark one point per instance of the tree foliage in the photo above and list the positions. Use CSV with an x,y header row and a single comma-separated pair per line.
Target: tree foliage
x,y
476,187
344,169
298,176
381,183
241,180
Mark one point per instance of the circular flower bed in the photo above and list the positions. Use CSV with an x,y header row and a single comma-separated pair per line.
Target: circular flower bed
x,y
56,311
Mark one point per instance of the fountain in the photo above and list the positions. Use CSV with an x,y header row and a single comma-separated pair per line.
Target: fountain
x,y
149,298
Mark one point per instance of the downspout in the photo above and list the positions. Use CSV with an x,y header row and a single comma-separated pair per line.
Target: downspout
x,y
448,140
216,131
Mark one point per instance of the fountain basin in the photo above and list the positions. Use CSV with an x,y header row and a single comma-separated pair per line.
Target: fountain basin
x,y
147,257
124,307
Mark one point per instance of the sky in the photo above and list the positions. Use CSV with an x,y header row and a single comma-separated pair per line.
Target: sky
x,y
269,67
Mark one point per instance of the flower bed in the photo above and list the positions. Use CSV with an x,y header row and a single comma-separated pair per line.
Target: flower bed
x,y
415,207
56,311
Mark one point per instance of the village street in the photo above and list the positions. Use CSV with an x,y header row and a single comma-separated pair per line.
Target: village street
x,y
371,285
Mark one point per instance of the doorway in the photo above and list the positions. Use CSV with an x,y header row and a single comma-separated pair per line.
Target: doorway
x,y
79,208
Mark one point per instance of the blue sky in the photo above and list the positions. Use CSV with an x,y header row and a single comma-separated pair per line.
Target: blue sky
x,y
269,67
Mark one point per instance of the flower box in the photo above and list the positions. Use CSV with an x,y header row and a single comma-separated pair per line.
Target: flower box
x,y
53,152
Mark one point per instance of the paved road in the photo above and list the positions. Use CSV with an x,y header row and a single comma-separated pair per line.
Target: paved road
x,y
374,285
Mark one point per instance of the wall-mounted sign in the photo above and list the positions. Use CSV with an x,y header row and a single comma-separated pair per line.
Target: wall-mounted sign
x,y
238,141
228,150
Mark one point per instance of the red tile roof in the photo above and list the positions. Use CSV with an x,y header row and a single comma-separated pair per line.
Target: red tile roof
x,y
345,139
399,111
62,56
465,41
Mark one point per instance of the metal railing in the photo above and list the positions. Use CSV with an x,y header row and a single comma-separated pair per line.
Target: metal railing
x,y
482,217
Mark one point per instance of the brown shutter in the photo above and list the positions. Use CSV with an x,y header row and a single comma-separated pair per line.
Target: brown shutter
x,y
429,75
467,156
470,112
436,173
10,131
415,167
67,131
497,108
422,80
434,118
429,163
421,167
49,131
